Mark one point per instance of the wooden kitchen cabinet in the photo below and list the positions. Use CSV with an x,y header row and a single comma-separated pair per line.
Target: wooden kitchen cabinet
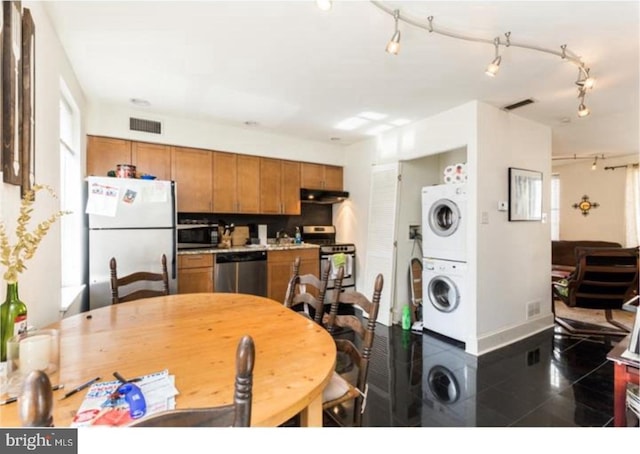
x,y
152,159
279,186
279,268
191,170
105,153
236,183
320,176
195,273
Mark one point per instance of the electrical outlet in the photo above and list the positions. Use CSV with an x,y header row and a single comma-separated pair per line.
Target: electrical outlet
x,y
414,232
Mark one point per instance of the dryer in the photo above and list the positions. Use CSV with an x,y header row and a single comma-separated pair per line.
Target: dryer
x,y
444,221
444,294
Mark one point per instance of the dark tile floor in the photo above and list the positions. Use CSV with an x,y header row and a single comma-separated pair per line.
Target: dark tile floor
x,y
548,380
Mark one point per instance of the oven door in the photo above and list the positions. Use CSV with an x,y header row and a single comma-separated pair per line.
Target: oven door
x,y
349,280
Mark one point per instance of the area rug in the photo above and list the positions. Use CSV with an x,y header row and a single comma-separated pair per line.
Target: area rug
x,y
593,316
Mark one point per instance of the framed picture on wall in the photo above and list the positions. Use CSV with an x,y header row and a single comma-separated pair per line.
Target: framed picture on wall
x,y
12,92
525,195
28,135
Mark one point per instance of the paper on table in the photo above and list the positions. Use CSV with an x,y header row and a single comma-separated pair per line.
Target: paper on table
x,y
101,406
102,200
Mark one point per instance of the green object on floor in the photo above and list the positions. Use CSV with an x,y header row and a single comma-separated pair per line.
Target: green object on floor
x,y
406,318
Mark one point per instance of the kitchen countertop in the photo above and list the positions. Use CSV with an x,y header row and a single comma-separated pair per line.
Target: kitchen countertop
x,y
269,247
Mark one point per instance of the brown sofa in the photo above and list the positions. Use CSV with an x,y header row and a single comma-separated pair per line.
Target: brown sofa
x,y
563,254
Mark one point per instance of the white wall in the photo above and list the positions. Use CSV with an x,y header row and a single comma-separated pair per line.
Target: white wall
x,y
39,285
510,265
113,121
513,258
606,187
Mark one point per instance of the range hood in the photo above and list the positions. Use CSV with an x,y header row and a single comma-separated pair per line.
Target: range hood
x,y
322,196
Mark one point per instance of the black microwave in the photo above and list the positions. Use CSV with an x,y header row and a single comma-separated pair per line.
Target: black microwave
x,y
197,235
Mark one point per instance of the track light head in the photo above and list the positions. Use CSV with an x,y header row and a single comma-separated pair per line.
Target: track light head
x,y
494,66
583,110
393,47
594,166
585,81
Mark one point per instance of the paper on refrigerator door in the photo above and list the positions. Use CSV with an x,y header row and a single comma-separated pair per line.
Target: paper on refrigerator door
x,y
102,199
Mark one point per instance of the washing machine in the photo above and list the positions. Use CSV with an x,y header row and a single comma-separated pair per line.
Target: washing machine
x,y
444,294
449,385
444,221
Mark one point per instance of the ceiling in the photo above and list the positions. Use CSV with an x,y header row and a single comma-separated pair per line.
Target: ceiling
x,y
296,70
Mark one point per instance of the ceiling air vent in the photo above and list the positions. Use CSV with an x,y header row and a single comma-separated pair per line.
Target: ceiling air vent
x,y
150,126
518,104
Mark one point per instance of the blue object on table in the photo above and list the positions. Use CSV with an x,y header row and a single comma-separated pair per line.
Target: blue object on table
x,y
133,395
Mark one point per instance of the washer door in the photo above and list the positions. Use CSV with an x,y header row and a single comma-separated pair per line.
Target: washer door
x,y
443,294
443,385
444,217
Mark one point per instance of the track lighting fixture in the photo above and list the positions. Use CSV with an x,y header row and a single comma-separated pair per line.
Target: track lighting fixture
x,y
494,66
594,166
394,43
583,110
585,82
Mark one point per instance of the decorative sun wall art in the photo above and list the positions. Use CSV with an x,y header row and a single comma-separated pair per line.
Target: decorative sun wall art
x,y
585,205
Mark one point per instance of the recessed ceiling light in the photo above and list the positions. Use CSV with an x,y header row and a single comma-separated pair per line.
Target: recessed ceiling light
x,y
139,102
372,115
351,123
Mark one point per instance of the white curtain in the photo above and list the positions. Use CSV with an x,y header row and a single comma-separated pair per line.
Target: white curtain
x,y
632,207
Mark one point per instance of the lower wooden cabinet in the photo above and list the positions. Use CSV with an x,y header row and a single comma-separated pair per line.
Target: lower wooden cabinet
x,y
279,267
195,273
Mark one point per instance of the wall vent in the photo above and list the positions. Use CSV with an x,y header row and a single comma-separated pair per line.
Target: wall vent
x,y
533,309
518,104
142,125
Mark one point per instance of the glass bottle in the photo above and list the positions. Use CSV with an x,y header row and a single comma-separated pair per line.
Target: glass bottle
x,y
13,318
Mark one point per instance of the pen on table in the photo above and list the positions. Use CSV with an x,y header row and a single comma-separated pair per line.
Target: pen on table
x,y
13,399
80,388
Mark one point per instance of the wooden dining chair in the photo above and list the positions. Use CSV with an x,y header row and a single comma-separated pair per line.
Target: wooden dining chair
x,y
138,278
236,414
306,293
344,398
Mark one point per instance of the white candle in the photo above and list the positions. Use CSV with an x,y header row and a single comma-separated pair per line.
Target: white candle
x,y
35,352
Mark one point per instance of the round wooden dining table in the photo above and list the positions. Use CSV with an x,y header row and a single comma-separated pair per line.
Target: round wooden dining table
x,y
195,336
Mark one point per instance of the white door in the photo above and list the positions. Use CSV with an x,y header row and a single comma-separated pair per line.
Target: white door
x,y
381,241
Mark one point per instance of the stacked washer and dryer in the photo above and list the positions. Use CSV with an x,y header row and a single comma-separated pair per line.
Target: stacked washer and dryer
x,y
444,277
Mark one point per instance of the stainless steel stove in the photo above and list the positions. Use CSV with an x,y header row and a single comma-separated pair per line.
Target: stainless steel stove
x,y
325,237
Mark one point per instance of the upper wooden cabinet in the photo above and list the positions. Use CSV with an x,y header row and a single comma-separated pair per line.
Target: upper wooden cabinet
x,y
191,170
279,186
320,176
236,183
104,154
152,159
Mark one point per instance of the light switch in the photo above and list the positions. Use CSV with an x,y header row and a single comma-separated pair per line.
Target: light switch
x,y
485,217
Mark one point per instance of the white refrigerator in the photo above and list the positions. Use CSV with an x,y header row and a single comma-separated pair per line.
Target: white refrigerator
x,y
134,221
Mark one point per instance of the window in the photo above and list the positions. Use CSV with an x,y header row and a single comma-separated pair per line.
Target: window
x,y
555,207
70,198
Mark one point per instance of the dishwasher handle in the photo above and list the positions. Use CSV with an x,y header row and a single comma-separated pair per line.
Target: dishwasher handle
x,y
233,257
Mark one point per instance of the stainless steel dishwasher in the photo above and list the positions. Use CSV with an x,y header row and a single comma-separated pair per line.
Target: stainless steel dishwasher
x,y
241,272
